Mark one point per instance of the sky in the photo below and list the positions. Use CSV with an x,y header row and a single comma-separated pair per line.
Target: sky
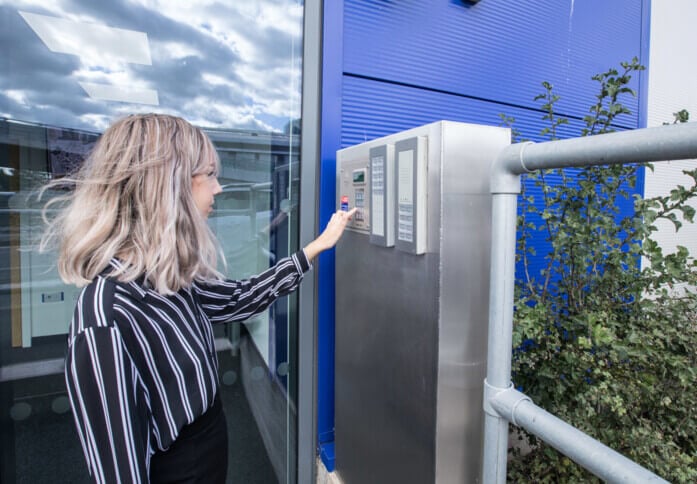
x,y
82,63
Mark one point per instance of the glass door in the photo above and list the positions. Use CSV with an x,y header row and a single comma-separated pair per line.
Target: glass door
x,y
67,69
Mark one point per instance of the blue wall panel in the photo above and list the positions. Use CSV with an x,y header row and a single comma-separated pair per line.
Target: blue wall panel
x,y
330,140
371,109
498,50
394,65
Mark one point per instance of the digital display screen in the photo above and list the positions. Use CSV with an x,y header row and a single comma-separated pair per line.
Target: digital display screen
x,y
359,176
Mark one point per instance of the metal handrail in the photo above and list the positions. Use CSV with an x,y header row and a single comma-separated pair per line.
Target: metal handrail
x,y
674,142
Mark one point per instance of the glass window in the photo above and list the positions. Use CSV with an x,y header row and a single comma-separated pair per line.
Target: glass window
x,y
69,68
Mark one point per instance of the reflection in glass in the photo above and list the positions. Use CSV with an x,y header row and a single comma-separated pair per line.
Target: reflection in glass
x,y
218,64
67,69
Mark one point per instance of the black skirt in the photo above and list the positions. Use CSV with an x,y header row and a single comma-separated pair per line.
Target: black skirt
x,y
199,455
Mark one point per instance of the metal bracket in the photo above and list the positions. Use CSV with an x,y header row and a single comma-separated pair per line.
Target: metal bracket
x,y
490,392
504,403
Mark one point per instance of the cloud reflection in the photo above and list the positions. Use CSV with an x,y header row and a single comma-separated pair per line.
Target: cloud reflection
x,y
220,65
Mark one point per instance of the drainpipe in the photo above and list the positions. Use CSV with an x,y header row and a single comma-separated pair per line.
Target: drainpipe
x,y
672,142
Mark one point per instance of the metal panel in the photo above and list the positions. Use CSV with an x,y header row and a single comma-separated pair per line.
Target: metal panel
x,y
386,359
307,317
463,299
410,199
411,329
382,189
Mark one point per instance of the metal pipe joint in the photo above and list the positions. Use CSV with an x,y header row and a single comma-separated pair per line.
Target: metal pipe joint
x,y
505,402
507,168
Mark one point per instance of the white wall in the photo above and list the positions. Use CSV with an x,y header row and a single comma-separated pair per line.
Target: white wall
x,y
672,87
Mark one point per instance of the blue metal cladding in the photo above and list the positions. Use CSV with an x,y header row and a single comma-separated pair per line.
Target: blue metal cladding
x,y
330,141
394,65
497,50
413,62
373,108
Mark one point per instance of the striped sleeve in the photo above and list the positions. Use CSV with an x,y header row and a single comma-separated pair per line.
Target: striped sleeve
x,y
101,382
226,301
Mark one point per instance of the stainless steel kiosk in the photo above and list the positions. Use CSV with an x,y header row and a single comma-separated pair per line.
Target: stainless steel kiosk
x,y
412,288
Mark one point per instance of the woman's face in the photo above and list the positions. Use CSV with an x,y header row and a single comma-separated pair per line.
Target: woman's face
x,y
204,188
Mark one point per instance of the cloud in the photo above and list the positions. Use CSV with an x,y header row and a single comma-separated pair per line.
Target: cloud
x,y
219,64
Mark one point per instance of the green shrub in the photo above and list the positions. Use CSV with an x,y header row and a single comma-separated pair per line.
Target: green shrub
x,y
603,342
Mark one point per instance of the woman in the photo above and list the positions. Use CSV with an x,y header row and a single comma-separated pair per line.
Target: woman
x,y
141,368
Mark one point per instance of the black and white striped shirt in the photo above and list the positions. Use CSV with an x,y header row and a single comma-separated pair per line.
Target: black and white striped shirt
x,y
140,365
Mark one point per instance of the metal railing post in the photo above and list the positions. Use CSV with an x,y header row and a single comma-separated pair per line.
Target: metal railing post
x,y
498,375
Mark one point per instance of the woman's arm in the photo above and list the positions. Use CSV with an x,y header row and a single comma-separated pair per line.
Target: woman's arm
x,y
331,234
236,300
227,301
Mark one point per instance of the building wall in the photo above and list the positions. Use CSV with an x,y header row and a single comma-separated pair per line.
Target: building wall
x,y
671,87
393,65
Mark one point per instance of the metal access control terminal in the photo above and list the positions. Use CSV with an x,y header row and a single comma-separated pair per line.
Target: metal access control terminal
x,y
354,191
388,186
412,280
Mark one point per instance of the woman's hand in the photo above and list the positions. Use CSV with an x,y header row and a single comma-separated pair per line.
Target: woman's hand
x,y
331,234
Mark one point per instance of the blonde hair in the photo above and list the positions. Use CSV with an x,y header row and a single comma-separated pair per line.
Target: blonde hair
x,y
132,200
